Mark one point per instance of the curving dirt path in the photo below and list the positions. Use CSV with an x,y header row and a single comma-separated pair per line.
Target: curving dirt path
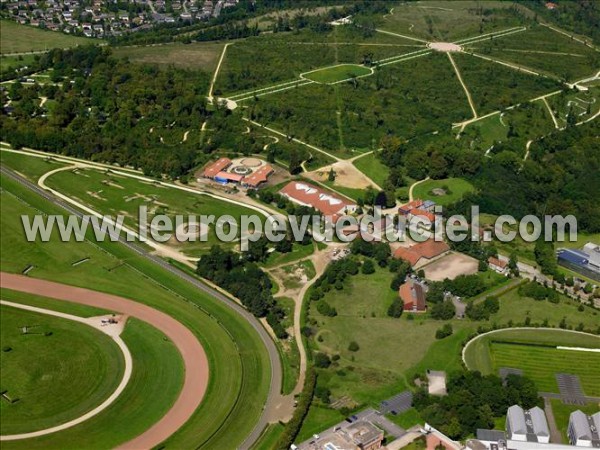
x,y
196,363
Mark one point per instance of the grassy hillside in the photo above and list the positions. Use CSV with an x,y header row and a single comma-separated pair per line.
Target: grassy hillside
x,y
21,38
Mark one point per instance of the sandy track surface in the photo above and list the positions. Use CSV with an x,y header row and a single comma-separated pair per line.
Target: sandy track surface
x,y
195,360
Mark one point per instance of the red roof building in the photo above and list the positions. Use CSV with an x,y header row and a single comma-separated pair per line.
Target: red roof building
x,y
325,202
428,250
425,215
412,293
211,170
260,176
405,209
497,264
228,177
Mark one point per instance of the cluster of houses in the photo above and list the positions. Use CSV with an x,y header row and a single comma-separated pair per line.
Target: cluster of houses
x,y
422,210
101,18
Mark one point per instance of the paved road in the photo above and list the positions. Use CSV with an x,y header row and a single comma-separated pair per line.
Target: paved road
x,y
274,399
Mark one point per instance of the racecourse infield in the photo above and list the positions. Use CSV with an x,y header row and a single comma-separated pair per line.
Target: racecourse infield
x,y
196,363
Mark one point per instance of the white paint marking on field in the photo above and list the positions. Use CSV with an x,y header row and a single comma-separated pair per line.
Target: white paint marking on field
x,y
579,349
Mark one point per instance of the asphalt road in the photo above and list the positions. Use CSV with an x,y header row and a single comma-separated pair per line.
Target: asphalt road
x,y
274,396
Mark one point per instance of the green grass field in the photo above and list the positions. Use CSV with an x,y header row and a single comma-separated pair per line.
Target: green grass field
x,y
455,189
114,194
30,167
56,378
15,62
562,413
197,55
542,363
20,38
538,359
238,361
372,167
335,74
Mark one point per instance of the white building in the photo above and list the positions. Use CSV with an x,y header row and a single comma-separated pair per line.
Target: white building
x,y
527,426
583,430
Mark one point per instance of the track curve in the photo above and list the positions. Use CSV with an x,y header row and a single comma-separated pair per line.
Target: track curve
x,y
196,363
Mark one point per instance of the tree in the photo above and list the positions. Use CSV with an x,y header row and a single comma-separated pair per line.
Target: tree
x,y
295,164
444,331
396,308
331,175
326,309
513,265
368,267
322,361
544,256
353,346
443,311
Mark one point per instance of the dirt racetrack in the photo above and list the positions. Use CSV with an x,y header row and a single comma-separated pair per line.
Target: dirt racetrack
x,y
193,355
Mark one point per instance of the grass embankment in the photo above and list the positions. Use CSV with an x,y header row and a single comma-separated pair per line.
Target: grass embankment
x,y
20,39
113,194
533,351
450,190
238,361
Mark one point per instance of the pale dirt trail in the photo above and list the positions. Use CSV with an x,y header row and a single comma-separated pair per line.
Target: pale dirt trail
x,y
195,361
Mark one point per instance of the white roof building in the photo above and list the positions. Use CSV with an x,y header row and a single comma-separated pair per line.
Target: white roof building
x,y
583,430
527,426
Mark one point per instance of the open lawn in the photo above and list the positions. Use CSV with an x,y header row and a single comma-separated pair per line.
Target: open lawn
x,y
55,371
9,63
20,38
541,364
375,371
236,356
335,74
269,437
443,192
562,413
114,194
534,352
30,167
372,167
197,55
539,311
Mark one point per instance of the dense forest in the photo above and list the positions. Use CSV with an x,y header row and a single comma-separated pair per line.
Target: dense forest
x,y
109,110
473,401
561,175
243,278
579,16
